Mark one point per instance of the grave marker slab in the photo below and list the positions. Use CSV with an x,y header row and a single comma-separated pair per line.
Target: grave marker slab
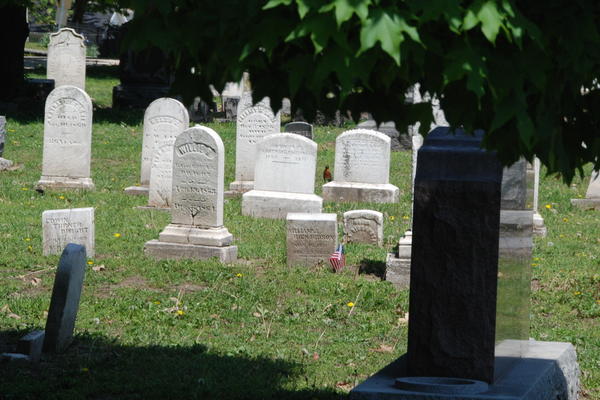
x,y
300,128
64,303
362,169
254,122
66,58
4,163
311,238
592,195
196,229
74,225
363,226
284,179
67,140
164,120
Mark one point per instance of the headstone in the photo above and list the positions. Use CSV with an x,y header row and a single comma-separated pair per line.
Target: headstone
x,y
397,142
362,169
164,120
64,303
592,195
66,58
4,163
196,229
32,344
74,225
539,227
284,178
363,226
67,140
300,128
311,238
254,122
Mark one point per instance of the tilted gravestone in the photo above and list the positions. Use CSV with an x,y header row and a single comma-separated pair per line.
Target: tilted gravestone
x,y
164,120
67,140
363,226
73,225
311,238
254,122
284,178
299,128
362,169
196,229
66,58
64,303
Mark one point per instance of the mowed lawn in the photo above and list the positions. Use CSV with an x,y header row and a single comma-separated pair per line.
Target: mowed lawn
x,y
254,329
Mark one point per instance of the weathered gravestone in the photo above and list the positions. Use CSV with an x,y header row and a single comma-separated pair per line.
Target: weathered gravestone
x,y
4,163
254,122
455,347
299,128
539,227
311,238
592,195
362,169
73,225
67,140
363,226
196,229
284,178
65,299
164,120
66,58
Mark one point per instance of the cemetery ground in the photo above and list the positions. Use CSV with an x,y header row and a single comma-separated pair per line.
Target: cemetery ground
x,y
253,329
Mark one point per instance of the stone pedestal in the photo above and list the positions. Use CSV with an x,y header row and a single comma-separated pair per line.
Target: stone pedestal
x,y
136,190
397,265
539,228
548,370
361,192
276,205
64,182
164,250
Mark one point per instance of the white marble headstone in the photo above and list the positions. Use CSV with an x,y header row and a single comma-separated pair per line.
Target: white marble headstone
x,y
198,176
60,227
67,136
363,226
253,123
362,155
593,190
286,162
165,118
66,58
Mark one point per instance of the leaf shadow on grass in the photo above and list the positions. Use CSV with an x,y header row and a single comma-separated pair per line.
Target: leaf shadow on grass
x,y
372,267
94,367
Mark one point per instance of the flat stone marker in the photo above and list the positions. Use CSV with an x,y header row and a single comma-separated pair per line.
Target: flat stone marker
x,y
311,238
67,140
4,163
196,229
66,58
362,169
64,303
254,122
285,178
363,226
299,128
164,119
592,195
74,225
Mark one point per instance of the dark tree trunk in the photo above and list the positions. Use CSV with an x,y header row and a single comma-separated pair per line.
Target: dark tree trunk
x,y
13,33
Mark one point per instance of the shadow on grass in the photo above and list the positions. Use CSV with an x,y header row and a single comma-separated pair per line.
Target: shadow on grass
x,y
372,267
95,367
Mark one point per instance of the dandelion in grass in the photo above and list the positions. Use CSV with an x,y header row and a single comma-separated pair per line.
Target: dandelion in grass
x,y
117,235
534,264
577,293
24,189
157,302
90,262
238,275
565,219
561,236
405,217
61,197
350,304
548,206
392,218
30,249
536,259
27,239
180,312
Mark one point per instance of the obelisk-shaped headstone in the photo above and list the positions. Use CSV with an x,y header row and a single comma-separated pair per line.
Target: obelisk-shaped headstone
x,y
65,299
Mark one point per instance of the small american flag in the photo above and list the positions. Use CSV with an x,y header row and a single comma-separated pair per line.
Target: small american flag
x,y
338,259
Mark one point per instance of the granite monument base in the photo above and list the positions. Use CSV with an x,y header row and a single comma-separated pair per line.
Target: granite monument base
x,y
136,190
397,265
361,192
547,370
276,205
64,182
166,250
586,203
186,234
241,186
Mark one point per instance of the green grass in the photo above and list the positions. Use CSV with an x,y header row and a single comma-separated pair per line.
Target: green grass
x,y
254,329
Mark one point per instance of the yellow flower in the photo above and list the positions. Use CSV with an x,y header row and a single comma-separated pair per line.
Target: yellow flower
x,y
157,302
11,130
28,239
180,312
561,235
61,197
392,218
565,219
534,264
90,262
239,275
29,248
117,235
405,217
548,206
577,293
350,304
536,259
24,188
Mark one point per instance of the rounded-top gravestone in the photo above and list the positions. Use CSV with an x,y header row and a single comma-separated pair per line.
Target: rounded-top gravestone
x,y
66,58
